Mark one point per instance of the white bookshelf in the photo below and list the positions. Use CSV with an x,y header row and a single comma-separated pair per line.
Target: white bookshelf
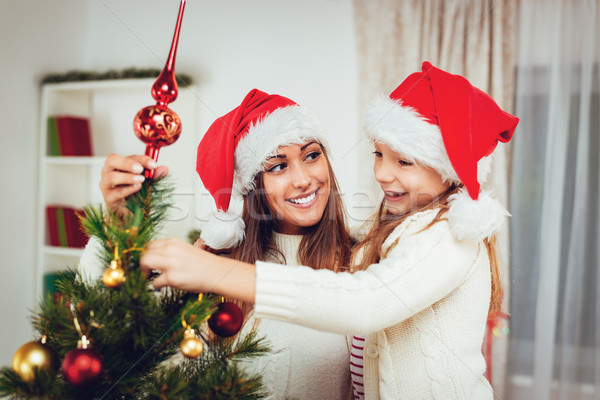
x,y
73,181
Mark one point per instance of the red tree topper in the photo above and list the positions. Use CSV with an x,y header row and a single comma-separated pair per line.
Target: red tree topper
x,y
157,125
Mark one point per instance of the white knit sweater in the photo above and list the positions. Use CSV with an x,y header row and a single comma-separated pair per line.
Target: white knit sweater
x,y
304,363
423,308
90,265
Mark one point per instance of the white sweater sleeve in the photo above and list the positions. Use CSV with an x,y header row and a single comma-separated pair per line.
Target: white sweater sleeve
x,y
419,271
90,264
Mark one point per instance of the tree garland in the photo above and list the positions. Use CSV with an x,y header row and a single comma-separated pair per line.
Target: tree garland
x,y
183,80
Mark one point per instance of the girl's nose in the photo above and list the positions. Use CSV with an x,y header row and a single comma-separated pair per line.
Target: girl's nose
x,y
383,173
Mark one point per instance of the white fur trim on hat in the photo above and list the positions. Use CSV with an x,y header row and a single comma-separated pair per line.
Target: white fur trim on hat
x,y
282,127
406,132
223,230
484,167
475,219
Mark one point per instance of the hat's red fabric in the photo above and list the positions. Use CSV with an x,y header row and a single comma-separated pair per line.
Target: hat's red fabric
x,y
470,121
215,162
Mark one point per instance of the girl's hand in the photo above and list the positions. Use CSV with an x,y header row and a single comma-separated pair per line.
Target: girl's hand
x,y
178,262
187,267
200,244
122,176
220,252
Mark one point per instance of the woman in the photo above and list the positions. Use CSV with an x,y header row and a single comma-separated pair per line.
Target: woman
x,y
427,271
271,153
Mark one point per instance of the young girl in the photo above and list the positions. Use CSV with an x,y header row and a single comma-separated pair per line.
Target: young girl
x,y
270,152
426,272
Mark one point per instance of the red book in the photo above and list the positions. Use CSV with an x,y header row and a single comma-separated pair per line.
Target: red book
x,y
76,237
64,228
52,226
74,136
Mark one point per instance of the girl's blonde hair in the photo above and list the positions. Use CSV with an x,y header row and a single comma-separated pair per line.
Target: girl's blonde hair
x,y
370,248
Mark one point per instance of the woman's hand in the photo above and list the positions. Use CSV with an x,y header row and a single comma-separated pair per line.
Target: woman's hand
x,y
122,176
188,267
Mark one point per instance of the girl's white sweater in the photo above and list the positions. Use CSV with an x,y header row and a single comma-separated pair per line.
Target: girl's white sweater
x,y
424,309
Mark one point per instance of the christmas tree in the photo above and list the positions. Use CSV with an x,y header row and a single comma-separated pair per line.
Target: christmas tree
x,y
116,338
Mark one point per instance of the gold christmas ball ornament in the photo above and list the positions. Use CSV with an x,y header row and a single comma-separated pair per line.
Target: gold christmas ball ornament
x,y
31,355
191,346
114,276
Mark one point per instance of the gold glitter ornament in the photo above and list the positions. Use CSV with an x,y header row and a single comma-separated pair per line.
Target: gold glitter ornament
x,y
114,275
31,355
191,346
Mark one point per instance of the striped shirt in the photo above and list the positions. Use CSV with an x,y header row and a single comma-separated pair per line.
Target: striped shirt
x,y
356,367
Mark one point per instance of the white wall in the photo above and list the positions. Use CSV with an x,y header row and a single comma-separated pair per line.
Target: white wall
x,y
35,38
302,50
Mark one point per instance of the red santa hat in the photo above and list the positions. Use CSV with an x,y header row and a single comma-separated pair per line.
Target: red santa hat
x,y
235,148
440,120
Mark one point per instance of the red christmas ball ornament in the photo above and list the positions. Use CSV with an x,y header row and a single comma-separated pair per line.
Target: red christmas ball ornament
x,y
82,366
227,320
157,125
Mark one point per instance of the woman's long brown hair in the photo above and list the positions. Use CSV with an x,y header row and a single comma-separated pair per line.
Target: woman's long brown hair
x,y
385,223
326,245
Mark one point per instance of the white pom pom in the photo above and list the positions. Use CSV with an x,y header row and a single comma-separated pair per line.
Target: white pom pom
x,y
223,230
484,167
475,219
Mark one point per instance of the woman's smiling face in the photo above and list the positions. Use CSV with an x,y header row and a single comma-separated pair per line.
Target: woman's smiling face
x,y
297,185
406,186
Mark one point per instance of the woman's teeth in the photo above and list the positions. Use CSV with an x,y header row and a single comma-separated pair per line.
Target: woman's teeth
x,y
304,200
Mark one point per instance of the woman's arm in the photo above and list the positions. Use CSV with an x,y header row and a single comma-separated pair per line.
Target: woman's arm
x,y
90,264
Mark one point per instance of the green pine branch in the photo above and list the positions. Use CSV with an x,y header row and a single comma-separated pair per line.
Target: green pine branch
x,y
216,375
135,329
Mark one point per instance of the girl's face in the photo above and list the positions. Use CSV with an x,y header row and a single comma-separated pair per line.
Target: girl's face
x,y
406,186
297,185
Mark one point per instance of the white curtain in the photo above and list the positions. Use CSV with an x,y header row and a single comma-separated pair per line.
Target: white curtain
x,y
473,38
555,338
